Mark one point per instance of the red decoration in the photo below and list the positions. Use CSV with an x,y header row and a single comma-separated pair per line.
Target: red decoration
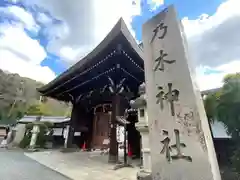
x,y
84,146
129,151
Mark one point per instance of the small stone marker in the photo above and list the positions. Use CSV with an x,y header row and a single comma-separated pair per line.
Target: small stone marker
x,y
65,135
180,139
34,136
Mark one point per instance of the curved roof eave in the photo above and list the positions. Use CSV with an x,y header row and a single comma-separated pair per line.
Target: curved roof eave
x,y
120,27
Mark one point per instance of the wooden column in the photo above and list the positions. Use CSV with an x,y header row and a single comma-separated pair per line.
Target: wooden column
x,y
89,119
113,152
72,127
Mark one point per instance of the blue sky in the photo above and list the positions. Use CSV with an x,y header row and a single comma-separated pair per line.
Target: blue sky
x,y
186,8
47,38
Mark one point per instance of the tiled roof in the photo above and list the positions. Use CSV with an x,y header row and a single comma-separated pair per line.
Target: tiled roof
x,y
219,131
205,92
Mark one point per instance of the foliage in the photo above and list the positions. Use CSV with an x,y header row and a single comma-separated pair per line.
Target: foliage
x,y
235,159
18,95
34,110
231,78
228,107
48,109
211,103
228,174
68,113
37,109
225,107
25,141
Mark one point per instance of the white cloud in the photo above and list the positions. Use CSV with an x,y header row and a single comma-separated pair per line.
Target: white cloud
x,y
215,80
44,19
214,43
225,11
86,23
22,15
213,40
82,28
12,63
56,32
13,1
15,39
154,4
73,53
23,55
112,11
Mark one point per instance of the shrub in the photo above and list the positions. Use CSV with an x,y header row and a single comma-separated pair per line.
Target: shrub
x,y
25,141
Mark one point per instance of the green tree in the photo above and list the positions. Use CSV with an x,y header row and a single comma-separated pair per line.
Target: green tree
x,y
68,113
18,95
34,110
225,107
211,103
48,109
38,109
228,105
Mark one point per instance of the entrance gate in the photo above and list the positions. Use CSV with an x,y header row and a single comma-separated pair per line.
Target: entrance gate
x,y
100,127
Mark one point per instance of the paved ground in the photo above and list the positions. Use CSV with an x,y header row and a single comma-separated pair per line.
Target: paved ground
x,y
16,166
83,165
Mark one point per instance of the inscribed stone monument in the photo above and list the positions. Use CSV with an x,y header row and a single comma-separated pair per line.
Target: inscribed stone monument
x,y
180,139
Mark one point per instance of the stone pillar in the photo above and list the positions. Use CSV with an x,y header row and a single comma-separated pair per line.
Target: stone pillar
x,y
180,139
142,126
65,135
35,132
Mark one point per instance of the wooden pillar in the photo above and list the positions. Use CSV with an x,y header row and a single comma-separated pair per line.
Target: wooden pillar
x,y
113,152
72,127
89,119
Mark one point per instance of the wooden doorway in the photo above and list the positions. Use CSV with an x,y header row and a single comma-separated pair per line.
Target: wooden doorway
x,y
100,129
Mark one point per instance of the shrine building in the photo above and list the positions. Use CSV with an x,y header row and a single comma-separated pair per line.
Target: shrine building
x,y
100,87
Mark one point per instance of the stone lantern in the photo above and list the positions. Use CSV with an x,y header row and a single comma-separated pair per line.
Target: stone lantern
x,y
142,126
35,132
